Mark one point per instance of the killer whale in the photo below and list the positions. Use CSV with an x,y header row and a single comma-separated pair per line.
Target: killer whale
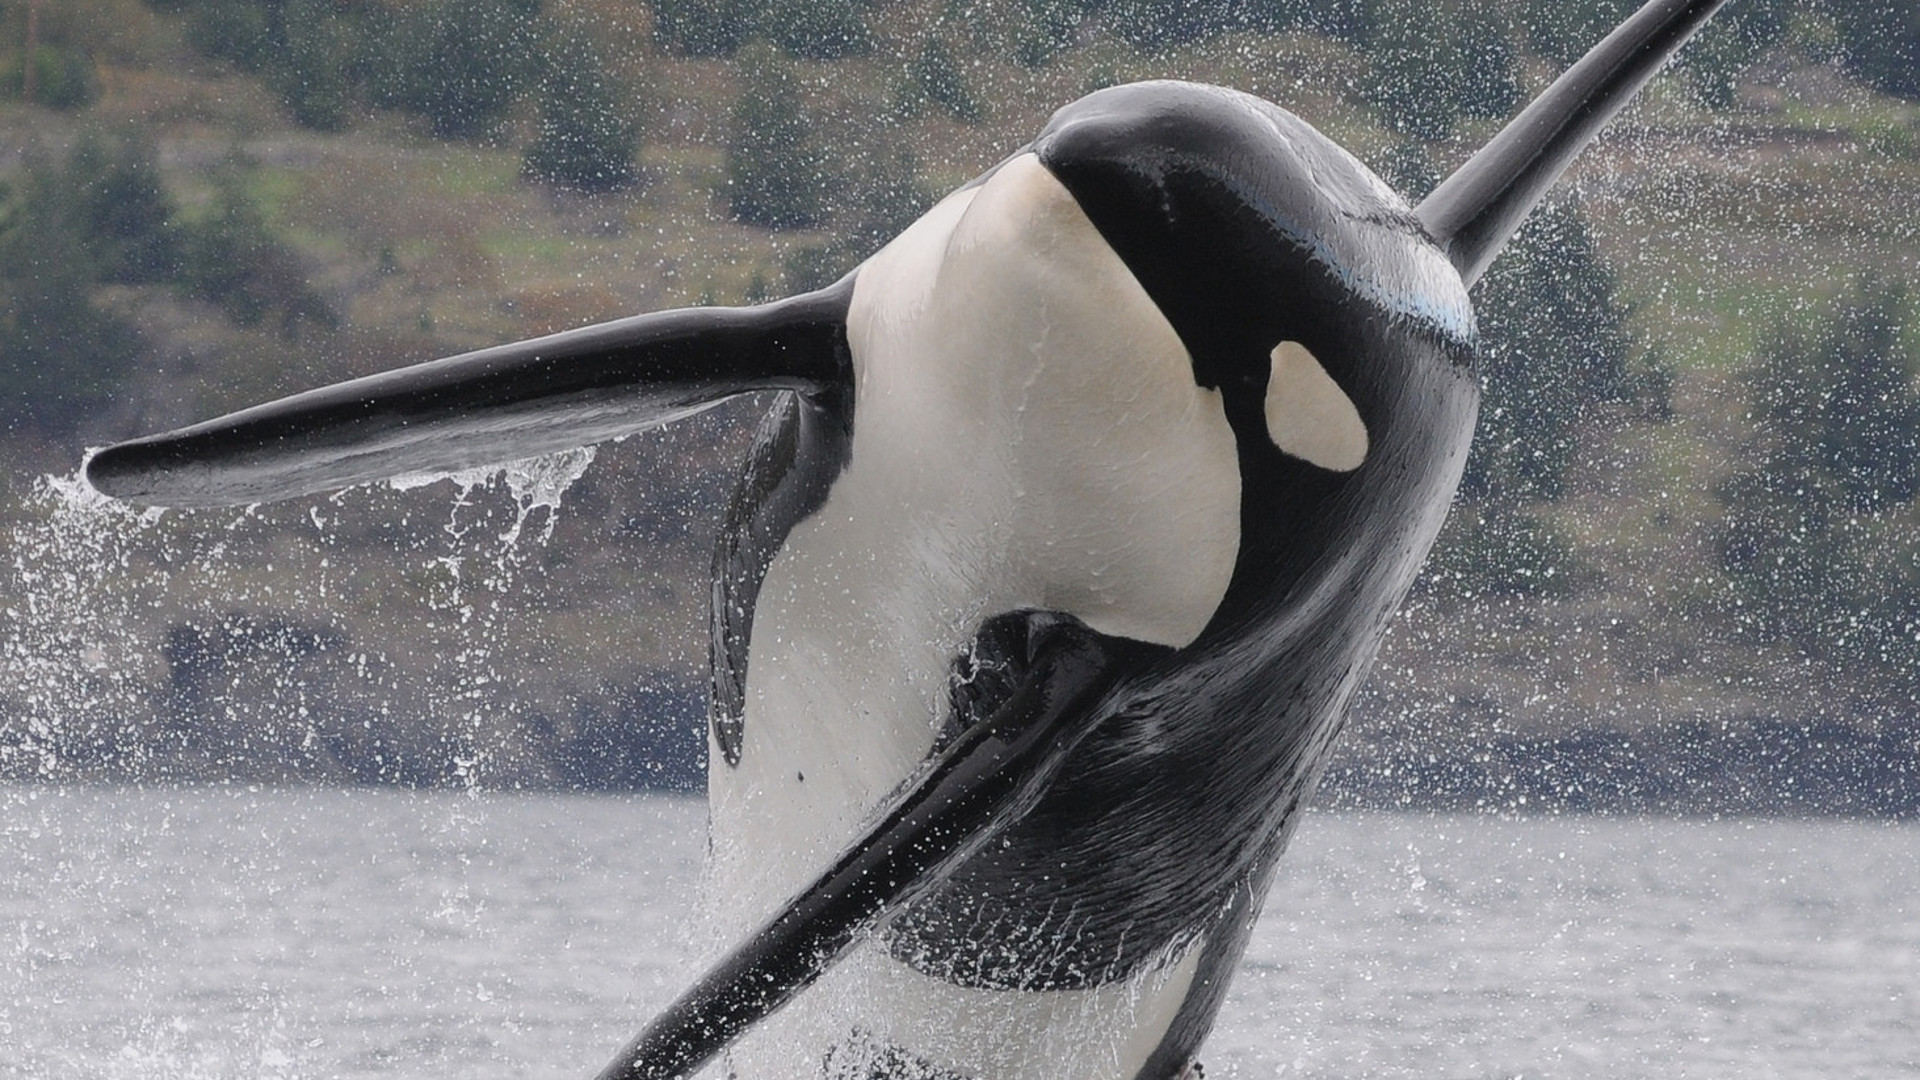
x,y
1080,511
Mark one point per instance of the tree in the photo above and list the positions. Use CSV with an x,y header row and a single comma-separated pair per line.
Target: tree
x,y
238,31
1727,45
312,68
1880,42
1819,531
60,77
1499,549
1489,88
878,198
61,356
1554,346
1553,350
933,76
1349,21
776,177
1153,25
1044,28
1563,30
702,27
459,63
230,255
816,29
121,211
586,139
1407,167
1415,81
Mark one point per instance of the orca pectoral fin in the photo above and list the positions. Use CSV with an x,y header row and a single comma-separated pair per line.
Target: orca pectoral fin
x,y
489,407
987,778
1473,213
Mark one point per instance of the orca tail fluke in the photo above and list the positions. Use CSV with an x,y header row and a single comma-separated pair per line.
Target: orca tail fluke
x,y
488,407
1474,212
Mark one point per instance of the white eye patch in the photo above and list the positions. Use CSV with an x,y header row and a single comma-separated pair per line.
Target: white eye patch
x,y
1308,416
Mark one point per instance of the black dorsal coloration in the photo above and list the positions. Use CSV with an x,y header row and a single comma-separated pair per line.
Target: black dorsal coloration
x,y
1104,793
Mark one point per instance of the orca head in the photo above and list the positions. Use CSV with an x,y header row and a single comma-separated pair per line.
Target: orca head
x,y
1310,295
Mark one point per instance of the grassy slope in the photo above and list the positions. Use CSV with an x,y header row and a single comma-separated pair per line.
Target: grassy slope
x,y
1716,224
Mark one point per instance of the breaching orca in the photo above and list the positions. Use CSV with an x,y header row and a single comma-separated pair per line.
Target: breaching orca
x,y
1075,521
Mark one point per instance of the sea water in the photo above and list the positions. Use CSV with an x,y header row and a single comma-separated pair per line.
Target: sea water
x,y
227,933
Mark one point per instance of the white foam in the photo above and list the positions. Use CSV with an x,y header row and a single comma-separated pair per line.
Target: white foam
x,y
534,483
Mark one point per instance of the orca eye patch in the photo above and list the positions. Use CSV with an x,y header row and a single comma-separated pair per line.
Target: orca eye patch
x,y
1308,415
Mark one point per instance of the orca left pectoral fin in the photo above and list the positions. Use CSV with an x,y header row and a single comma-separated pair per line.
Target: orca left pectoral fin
x,y
489,407
986,778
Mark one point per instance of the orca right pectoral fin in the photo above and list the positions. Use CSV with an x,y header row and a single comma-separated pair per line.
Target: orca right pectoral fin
x,y
489,407
1474,212
984,780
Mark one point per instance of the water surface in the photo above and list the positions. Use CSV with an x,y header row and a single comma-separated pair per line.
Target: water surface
x,y
221,934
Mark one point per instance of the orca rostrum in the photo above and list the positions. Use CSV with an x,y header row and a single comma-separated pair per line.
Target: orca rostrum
x,y
1076,518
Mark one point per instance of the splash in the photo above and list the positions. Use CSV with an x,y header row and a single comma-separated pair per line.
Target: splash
x,y
534,483
70,648
300,641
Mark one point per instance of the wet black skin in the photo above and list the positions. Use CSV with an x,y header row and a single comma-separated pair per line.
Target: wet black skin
x,y
1165,824
1162,827
1098,803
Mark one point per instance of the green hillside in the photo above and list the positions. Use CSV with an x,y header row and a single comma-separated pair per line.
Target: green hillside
x,y
1684,572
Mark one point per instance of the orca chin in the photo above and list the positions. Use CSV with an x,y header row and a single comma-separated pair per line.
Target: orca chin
x,y
1078,515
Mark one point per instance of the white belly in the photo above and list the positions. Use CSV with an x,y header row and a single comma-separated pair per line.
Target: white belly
x,y
1100,1034
1027,434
